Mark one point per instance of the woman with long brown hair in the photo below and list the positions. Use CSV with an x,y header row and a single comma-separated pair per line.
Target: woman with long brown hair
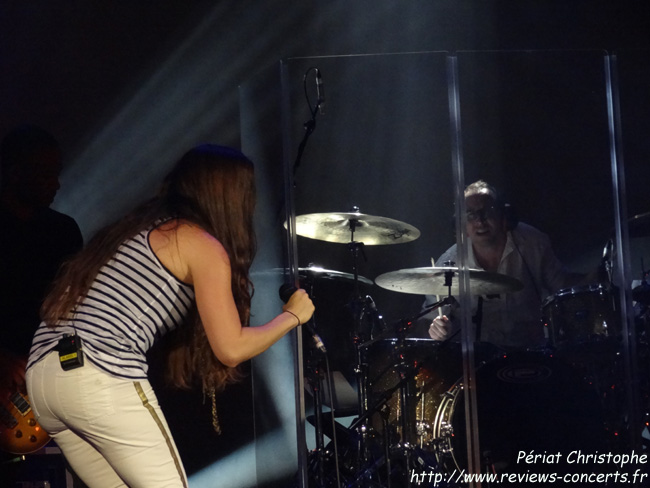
x,y
178,264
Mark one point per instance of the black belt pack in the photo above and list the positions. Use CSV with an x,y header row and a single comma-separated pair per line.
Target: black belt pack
x,y
71,355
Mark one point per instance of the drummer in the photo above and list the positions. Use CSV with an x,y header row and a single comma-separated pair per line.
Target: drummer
x,y
500,244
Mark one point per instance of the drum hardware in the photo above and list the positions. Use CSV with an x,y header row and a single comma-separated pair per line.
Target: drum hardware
x,y
312,273
314,377
361,425
413,430
436,281
406,391
320,382
356,230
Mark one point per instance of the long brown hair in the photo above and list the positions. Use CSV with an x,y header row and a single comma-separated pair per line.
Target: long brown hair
x,y
213,187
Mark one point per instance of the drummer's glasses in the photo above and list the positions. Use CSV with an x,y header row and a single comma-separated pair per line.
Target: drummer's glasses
x,y
483,214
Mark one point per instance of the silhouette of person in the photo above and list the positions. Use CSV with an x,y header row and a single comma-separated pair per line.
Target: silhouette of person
x,y
35,239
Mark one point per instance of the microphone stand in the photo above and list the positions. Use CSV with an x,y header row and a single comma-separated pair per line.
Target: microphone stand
x,y
315,380
314,374
310,125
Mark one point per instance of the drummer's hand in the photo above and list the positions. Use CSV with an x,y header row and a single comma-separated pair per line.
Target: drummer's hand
x,y
440,328
300,305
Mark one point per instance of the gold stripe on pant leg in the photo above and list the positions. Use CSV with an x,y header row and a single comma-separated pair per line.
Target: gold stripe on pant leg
x,y
152,411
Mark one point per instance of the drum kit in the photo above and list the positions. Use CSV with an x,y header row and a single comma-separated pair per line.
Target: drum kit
x,y
408,410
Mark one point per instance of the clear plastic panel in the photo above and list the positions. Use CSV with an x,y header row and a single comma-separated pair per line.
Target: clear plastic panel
x,y
371,190
278,409
631,107
541,128
374,199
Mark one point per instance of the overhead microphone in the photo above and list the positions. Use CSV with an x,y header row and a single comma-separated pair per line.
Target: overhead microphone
x,y
286,290
320,92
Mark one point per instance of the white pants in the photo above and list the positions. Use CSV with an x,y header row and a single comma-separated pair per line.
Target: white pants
x,y
111,431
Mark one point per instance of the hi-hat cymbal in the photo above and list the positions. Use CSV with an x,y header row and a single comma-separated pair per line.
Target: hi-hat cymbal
x,y
314,273
354,226
432,281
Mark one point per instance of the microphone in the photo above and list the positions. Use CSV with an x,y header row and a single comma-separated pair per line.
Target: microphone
x,y
286,290
320,92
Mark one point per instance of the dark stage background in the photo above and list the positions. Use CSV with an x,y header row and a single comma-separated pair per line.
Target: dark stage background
x,y
128,86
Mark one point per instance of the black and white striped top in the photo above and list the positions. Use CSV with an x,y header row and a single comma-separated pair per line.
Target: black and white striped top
x,y
133,301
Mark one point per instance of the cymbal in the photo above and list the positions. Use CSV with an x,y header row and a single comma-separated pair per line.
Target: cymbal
x,y
639,225
354,226
315,272
431,281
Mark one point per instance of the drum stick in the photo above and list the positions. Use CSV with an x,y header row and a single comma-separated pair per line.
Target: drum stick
x,y
433,265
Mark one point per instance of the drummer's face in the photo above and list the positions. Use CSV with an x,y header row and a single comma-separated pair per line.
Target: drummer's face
x,y
485,221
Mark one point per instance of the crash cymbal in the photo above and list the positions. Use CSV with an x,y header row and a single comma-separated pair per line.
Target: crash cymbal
x,y
432,281
314,272
354,226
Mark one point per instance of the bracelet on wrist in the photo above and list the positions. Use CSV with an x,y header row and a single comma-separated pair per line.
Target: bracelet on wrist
x,y
299,323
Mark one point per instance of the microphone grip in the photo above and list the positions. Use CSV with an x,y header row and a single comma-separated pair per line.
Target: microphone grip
x,y
286,290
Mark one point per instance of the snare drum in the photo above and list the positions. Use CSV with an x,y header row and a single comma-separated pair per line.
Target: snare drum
x,y
430,369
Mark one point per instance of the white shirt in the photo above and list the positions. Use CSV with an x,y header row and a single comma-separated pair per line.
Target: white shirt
x,y
514,319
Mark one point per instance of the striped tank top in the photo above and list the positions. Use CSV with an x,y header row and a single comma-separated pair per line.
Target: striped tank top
x,y
133,301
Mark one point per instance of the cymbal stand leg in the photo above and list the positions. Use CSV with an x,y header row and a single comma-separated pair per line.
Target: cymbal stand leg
x,y
361,371
315,380
357,307
386,438
406,374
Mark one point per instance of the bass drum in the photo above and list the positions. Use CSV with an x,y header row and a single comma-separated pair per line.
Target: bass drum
x,y
527,401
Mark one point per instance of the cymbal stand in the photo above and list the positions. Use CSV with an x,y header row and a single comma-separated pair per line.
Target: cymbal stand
x,y
358,308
